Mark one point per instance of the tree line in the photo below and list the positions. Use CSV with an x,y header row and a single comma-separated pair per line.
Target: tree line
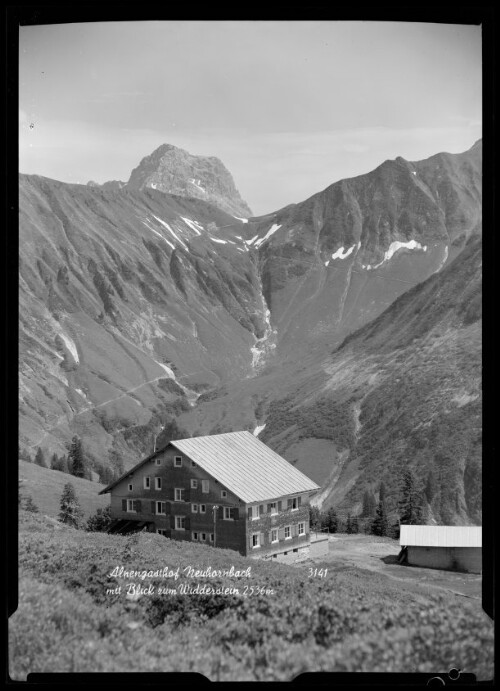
x,y
76,463
382,517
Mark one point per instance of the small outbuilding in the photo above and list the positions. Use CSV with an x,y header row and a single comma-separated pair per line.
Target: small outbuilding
x,y
456,548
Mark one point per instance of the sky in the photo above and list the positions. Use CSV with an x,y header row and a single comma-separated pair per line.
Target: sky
x,y
289,106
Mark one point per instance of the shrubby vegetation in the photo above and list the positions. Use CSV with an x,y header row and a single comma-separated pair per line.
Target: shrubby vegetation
x,y
351,621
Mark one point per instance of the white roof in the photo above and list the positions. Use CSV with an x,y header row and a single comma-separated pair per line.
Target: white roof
x,y
246,466
441,536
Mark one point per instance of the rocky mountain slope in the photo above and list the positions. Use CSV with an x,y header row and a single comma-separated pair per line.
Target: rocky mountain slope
x,y
136,301
173,170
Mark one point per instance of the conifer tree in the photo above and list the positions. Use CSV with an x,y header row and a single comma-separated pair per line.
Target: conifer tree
x,y
348,527
314,518
70,512
382,492
369,504
355,525
54,462
430,487
100,521
410,501
380,524
76,461
40,458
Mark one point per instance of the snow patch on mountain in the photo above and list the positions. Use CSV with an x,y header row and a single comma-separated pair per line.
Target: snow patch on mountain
x,y
340,254
243,220
70,345
194,225
258,430
222,242
159,234
249,242
270,232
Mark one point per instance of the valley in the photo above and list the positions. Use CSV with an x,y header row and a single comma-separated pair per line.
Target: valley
x,y
344,330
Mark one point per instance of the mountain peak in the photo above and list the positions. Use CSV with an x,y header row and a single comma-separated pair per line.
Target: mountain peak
x,y
175,171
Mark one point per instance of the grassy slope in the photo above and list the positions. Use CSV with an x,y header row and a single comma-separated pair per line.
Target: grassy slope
x,y
46,486
352,620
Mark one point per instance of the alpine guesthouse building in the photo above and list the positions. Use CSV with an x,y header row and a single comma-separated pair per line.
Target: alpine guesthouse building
x,y
226,490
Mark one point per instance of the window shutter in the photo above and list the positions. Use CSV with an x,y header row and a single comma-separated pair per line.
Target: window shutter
x,y
124,504
187,523
299,501
137,505
250,512
236,514
289,504
270,536
168,508
220,513
280,506
153,507
281,533
171,493
269,508
187,494
261,509
262,540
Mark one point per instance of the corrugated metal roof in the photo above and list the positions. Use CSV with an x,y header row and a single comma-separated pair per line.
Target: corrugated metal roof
x,y
245,465
441,536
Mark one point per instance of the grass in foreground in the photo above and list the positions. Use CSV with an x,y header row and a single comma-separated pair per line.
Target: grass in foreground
x,y
350,621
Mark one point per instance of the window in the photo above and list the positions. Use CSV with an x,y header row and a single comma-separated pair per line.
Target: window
x,y
179,494
274,536
178,462
147,483
161,531
203,537
295,503
158,461
157,482
273,508
203,508
194,484
250,513
288,533
161,507
130,487
228,513
261,509
223,494
194,536
211,537
180,522
194,508
255,540
302,528
130,505
204,486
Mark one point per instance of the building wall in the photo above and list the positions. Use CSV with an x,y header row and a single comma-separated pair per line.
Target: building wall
x,y
286,517
229,534
450,558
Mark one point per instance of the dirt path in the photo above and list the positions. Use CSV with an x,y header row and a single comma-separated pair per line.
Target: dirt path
x,y
379,555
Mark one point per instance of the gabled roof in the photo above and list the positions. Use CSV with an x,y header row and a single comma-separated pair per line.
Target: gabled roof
x,y
440,536
245,465
238,460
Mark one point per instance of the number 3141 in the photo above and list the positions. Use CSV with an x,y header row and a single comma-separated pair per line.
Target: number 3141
x,y
317,573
